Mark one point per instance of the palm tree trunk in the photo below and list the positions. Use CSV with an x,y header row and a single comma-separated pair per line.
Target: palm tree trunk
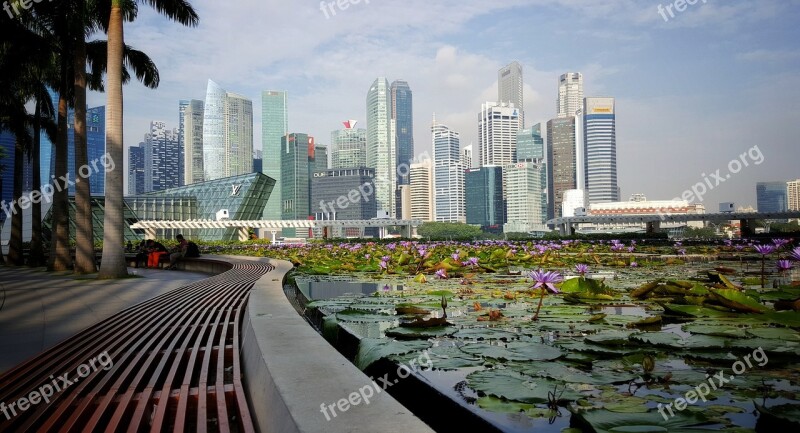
x,y
113,262
15,256
36,255
60,259
84,237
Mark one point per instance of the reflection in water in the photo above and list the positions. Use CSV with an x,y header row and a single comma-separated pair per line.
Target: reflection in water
x,y
316,290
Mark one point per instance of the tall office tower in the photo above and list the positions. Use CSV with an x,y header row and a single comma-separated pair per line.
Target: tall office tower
x,y
466,157
227,134
510,88
570,94
320,158
274,126
448,175
404,197
772,196
349,146
497,133
403,116
297,165
136,169
161,158
381,144
793,191
484,197
192,141
524,197
258,161
328,185
421,174
95,144
530,144
562,169
7,143
183,104
600,150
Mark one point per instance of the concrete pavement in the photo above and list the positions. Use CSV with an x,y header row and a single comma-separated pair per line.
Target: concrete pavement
x,y
43,308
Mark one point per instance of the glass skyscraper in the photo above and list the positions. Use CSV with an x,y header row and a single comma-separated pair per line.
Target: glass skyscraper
x,y
96,148
600,150
297,164
510,88
772,196
530,144
562,167
484,197
381,144
191,138
161,158
349,146
274,126
136,169
227,134
403,115
497,133
448,175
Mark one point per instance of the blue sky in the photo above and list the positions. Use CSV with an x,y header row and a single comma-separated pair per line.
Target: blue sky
x,y
693,93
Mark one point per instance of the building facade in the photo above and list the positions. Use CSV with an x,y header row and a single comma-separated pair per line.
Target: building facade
x,y
570,94
227,134
191,138
498,124
510,88
161,158
403,116
274,126
332,196
793,193
562,174
448,175
772,196
381,144
524,197
484,197
136,170
349,146
421,187
297,165
530,144
600,150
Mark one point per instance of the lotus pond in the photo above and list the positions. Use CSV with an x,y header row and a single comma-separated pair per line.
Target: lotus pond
x,y
603,337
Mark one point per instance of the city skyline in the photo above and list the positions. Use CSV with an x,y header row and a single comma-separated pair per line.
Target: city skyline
x,y
657,71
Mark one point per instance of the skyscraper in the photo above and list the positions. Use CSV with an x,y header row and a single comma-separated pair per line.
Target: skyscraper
x,y
793,191
161,158
192,142
510,88
448,175
561,162
274,126
136,169
530,144
600,150
297,165
772,196
349,146
421,175
484,197
466,156
227,134
524,195
498,124
570,94
403,116
95,144
381,144
183,104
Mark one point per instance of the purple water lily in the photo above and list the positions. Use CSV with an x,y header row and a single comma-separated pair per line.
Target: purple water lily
x,y
634,265
764,250
472,261
784,265
582,269
780,242
455,256
547,279
796,254
441,274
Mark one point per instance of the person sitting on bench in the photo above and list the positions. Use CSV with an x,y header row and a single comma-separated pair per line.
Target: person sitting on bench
x,y
141,254
155,250
178,252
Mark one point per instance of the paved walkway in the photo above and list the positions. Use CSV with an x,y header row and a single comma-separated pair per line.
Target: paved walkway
x,y
43,308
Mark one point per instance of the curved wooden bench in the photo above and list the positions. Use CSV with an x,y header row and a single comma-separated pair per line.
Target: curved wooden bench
x,y
175,365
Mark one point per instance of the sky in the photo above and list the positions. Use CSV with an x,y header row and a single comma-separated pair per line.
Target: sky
x,y
695,89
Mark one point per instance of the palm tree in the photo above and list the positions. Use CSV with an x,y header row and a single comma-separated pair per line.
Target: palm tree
x,y
113,263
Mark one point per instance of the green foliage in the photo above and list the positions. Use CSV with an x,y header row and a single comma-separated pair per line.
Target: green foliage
x,y
702,233
449,231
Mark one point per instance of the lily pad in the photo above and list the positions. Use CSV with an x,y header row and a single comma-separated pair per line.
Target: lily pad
x,y
605,421
403,333
511,385
373,349
737,300
514,351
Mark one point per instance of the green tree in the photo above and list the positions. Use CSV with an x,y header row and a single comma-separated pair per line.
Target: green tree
x,y
452,231
113,263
